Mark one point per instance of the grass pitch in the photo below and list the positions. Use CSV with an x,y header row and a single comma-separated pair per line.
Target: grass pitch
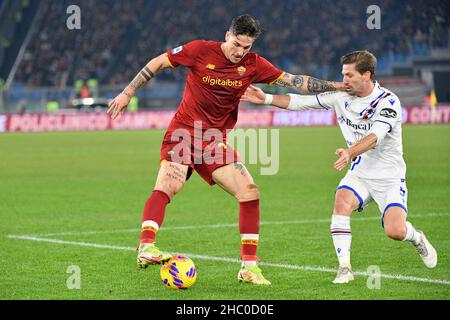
x,y
75,199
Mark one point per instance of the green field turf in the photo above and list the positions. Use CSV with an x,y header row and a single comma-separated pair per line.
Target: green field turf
x,y
85,191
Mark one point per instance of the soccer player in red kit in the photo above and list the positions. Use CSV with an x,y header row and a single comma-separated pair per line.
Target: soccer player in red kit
x,y
219,74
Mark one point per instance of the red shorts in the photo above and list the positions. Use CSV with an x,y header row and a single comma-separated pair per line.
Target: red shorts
x,y
202,150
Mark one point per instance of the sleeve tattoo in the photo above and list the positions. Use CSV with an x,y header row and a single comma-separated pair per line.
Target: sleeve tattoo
x,y
144,76
317,86
312,85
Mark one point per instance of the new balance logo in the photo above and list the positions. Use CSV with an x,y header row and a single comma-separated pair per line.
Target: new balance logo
x,y
388,113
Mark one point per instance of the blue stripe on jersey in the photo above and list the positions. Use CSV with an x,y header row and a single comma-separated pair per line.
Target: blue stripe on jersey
x,y
355,163
385,123
377,98
370,110
320,103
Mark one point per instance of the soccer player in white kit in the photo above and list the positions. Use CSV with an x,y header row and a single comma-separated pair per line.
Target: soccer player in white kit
x,y
370,118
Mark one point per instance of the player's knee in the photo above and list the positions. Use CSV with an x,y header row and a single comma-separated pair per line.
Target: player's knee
x,y
251,192
169,186
342,206
170,179
395,231
167,190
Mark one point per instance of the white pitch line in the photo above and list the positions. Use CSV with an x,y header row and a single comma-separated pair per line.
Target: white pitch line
x,y
226,225
75,243
224,259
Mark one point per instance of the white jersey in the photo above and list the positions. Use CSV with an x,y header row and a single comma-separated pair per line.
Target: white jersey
x,y
358,117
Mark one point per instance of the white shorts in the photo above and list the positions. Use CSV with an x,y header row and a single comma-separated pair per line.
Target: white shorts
x,y
386,193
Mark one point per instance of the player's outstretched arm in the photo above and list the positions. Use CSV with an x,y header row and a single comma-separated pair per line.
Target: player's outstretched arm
x,y
151,69
293,102
257,96
308,84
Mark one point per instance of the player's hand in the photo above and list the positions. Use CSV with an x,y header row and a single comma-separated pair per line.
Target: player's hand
x,y
343,159
340,86
254,95
117,105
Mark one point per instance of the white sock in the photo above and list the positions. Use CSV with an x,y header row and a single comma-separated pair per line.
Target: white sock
x,y
342,237
250,263
411,234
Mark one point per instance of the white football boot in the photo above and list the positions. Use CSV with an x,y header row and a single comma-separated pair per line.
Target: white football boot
x,y
426,251
344,274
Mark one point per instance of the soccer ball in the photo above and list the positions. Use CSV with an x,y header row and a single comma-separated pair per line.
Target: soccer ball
x,y
178,273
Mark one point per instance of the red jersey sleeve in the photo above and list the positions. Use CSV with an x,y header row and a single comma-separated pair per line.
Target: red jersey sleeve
x,y
186,54
266,72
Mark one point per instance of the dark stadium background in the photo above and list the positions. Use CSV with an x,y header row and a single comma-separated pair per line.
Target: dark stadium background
x,y
75,198
42,61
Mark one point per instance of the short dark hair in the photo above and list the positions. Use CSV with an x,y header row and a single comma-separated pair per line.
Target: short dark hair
x,y
245,25
365,61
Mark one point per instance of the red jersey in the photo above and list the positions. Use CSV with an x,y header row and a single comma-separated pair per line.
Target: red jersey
x,y
214,84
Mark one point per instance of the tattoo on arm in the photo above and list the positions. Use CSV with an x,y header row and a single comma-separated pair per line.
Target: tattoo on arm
x,y
291,81
127,94
147,74
138,82
144,76
317,86
298,81
305,83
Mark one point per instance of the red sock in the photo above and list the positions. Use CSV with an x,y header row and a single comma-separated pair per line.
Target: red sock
x,y
249,229
153,215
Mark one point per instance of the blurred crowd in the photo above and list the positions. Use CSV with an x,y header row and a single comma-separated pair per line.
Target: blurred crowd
x,y
56,54
117,38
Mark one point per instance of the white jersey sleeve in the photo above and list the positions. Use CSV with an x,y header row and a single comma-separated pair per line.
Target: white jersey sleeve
x,y
388,113
326,100
330,100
